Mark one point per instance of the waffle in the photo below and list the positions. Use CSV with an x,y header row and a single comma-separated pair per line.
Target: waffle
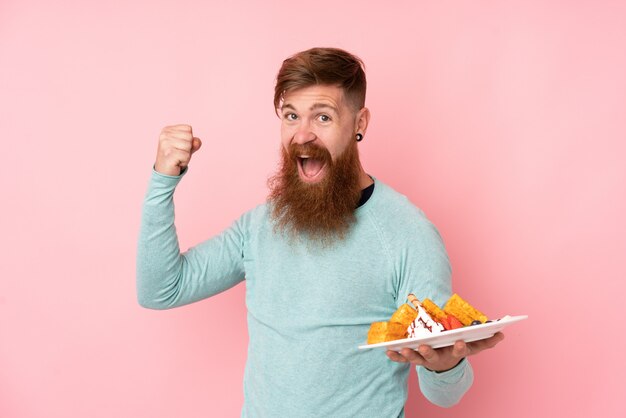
x,y
463,311
404,315
434,311
395,329
386,331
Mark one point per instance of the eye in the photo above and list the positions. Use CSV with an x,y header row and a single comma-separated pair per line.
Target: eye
x,y
324,118
290,116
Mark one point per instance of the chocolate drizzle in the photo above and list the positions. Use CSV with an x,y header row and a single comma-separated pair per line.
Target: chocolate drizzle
x,y
424,325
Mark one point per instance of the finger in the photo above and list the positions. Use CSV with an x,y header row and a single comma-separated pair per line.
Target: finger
x,y
395,356
497,337
478,346
412,356
176,143
461,349
186,136
492,341
179,127
428,353
196,144
180,158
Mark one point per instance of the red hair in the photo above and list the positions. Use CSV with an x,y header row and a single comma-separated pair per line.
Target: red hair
x,y
329,66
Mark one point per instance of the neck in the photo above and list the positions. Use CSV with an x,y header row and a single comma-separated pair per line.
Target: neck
x,y
364,179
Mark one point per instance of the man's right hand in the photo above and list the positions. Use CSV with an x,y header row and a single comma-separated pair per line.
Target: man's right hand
x,y
176,145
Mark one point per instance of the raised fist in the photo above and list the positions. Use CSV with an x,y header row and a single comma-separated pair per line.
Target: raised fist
x,y
176,145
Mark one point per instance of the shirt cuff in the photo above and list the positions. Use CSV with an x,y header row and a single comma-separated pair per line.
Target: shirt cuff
x,y
166,178
451,376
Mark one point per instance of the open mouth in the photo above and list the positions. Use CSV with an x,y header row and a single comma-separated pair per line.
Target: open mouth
x,y
310,169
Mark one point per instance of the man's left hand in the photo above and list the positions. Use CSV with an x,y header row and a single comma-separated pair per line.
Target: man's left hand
x,y
445,358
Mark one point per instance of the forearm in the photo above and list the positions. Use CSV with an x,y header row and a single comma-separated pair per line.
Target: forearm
x,y
159,262
447,388
165,277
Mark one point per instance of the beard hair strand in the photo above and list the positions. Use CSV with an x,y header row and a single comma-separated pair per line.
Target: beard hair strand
x,y
323,211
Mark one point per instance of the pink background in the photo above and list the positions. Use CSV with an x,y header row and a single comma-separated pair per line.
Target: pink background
x,y
504,121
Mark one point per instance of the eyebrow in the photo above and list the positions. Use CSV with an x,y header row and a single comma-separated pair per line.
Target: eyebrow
x,y
314,107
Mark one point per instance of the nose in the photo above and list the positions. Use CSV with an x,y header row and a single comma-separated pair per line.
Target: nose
x,y
304,134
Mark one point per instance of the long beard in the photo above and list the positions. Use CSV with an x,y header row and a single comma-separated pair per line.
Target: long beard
x,y
323,211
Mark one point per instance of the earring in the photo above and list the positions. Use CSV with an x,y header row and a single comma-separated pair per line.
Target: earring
x,y
359,137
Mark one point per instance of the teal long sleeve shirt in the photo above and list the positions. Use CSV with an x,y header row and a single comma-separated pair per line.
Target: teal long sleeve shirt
x,y
309,306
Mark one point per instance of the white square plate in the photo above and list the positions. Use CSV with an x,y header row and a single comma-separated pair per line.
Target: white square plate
x,y
446,338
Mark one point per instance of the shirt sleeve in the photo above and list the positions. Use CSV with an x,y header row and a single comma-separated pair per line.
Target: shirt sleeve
x,y
447,388
165,277
426,272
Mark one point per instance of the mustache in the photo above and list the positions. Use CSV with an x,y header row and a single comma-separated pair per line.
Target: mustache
x,y
315,151
323,211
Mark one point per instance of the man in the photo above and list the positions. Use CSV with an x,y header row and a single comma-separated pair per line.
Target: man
x,y
332,251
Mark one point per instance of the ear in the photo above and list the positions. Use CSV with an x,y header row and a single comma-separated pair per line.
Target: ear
x,y
362,120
